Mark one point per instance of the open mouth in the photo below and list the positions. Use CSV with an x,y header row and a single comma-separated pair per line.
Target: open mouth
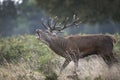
x,y
38,33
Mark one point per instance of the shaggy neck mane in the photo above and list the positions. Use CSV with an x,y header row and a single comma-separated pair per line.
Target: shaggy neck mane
x,y
58,45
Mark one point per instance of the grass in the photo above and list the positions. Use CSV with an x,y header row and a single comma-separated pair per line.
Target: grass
x,y
20,71
25,58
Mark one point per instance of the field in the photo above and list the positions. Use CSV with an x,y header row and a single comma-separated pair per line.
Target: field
x,y
26,58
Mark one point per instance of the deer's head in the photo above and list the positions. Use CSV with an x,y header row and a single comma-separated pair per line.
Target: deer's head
x,y
45,36
52,28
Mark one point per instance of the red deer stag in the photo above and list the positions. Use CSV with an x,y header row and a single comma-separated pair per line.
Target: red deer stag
x,y
74,47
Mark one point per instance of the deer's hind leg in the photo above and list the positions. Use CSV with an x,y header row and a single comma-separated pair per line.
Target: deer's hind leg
x,y
113,59
108,57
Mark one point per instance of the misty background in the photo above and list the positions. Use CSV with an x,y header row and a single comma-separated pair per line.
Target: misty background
x,y
18,17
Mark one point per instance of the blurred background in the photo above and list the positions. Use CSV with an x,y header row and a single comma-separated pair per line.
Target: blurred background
x,y
23,57
23,16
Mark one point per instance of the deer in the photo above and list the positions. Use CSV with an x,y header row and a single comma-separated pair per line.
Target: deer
x,y
75,47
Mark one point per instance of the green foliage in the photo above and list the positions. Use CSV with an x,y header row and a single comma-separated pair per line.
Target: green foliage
x,y
37,55
117,45
29,49
10,49
8,15
87,10
98,78
52,76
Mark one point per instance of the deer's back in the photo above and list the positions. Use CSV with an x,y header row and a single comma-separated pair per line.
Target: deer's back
x,y
90,43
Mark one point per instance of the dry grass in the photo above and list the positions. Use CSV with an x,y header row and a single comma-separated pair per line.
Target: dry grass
x,y
20,71
39,59
92,69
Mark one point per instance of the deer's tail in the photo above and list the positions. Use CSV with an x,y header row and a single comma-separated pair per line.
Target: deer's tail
x,y
114,40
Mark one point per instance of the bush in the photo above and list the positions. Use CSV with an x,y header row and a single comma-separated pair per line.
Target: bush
x,y
37,55
30,50
10,49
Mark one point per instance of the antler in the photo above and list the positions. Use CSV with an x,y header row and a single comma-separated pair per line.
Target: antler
x,y
54,26
76,22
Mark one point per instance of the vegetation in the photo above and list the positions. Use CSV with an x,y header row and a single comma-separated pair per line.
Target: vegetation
x,y
8,14
23,57
26,53
19,18
28,50
87,10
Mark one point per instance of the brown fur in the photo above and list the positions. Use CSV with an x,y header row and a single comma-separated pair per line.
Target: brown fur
x,y
72,48
76,47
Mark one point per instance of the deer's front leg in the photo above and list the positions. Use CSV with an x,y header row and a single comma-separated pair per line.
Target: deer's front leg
x,y
66,62
75,66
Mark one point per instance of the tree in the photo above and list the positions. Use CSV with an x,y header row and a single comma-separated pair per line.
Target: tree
x,y
8,15
88,10
29,17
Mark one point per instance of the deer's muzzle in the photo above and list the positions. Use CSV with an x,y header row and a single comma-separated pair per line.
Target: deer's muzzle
x,y
38,31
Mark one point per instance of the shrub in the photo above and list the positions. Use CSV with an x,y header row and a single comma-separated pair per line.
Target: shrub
x,y
37,55
30,50
10,49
